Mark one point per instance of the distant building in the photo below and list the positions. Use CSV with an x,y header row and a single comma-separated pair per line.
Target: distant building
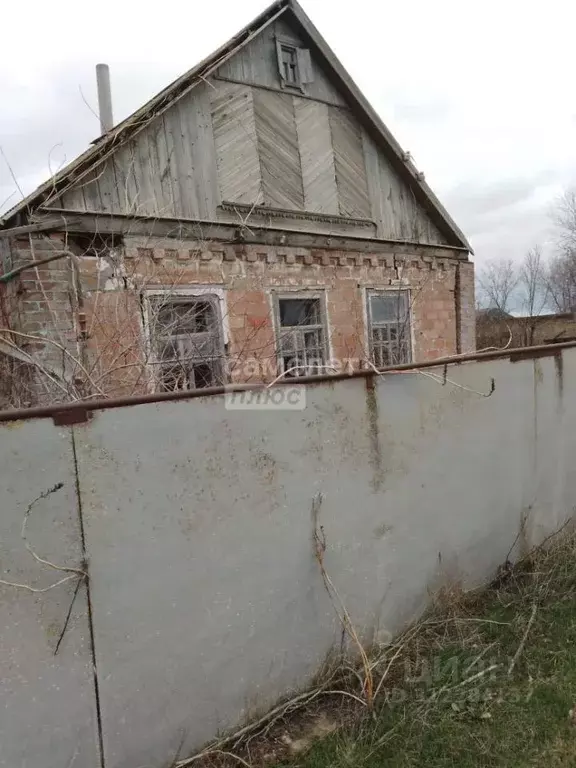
x,y
495,328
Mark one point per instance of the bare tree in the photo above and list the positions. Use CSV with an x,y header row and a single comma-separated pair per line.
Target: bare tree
x,y
503,285
497,281
564,218
532,283
533,291
562,271
562,281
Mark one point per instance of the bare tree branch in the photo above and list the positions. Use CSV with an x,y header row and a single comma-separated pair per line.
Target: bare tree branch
x,y
498,280
562,271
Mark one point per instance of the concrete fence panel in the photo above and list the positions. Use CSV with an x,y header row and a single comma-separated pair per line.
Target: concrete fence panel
x,y
47,703
208,603
208,600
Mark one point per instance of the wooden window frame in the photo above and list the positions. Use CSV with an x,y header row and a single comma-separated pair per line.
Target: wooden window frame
x,y
292,52
298,333
384,335
214,296
303,64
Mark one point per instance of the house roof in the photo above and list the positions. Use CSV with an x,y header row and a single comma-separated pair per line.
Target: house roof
x,y
493,313
105,145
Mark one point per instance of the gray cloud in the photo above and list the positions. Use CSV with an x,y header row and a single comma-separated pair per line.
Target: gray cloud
x,y
508,217
422,110
481,200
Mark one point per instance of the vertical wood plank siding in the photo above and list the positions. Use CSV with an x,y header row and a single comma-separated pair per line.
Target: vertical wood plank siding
x,y
190,155
133,201
317,157
393,205
108,187
91,192
169,169
171,135
177,126
72,200
157,202
121,161
380,208
349,164
278,150
167,204
204,152
236,143
143,173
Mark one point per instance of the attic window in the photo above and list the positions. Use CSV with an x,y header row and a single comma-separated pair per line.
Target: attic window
x,y
289,72
294,64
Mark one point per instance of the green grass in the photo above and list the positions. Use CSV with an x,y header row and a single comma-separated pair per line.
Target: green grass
x,y
446,717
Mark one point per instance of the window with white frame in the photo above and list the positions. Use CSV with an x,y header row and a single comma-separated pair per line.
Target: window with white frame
x,y
389,327
301,334
186,342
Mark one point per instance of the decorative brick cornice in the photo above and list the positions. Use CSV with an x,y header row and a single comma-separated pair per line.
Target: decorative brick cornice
x,y
277,257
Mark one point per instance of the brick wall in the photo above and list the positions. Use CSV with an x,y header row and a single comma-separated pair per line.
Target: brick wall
x,y
249,276
466,307
103,326
41,313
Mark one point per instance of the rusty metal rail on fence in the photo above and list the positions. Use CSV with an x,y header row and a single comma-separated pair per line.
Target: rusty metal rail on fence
x,y
71,413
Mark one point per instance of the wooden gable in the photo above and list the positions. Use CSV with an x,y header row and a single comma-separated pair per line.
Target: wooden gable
x,y
167,170
245,140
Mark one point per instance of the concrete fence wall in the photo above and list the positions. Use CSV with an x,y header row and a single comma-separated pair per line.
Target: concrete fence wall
x,y
204,602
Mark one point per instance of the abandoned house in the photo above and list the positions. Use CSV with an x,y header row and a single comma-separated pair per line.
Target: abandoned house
x,y
255,219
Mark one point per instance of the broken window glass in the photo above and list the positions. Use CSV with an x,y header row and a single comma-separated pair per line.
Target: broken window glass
x,y
188,344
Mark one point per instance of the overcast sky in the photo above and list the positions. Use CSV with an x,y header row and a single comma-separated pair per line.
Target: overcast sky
x,y
481,94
